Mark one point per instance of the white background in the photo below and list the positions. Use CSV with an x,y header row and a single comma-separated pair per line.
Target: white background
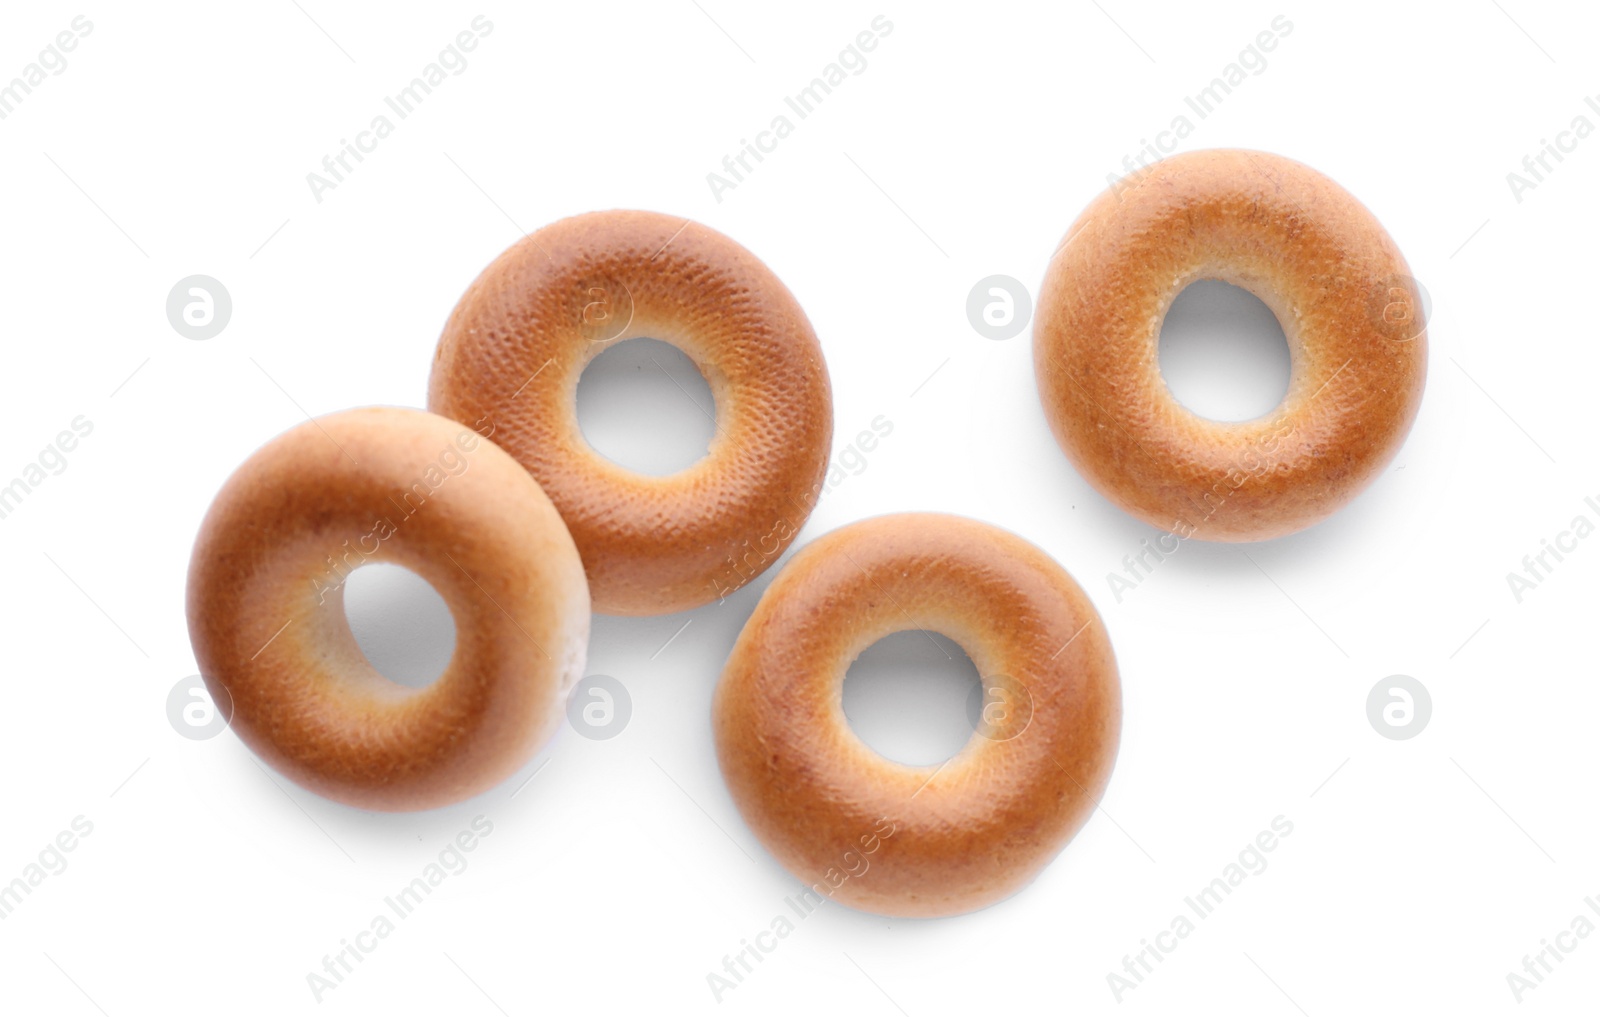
x,y
1419,873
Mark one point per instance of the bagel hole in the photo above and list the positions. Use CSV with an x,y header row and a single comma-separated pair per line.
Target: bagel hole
x,y
1223,353
908,697
403,626
644,405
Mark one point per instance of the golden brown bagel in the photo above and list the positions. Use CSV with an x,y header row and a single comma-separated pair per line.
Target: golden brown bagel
x,y
919,841
266,607
511,354
1313,254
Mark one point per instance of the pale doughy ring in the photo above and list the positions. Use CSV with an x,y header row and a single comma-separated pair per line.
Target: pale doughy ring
x,y
509,362
1313,254
266,607
919,840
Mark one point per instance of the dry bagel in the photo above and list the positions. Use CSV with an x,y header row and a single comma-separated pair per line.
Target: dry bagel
x,y
1313,254
909,840
511,354
266,616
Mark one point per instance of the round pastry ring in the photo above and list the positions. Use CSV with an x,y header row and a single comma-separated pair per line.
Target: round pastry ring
x,y
511,355
1324,265
943,839
266,618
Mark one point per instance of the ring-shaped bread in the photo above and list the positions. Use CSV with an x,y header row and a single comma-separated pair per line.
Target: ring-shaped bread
x,y
267,621
1311,252
919,841
511,355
